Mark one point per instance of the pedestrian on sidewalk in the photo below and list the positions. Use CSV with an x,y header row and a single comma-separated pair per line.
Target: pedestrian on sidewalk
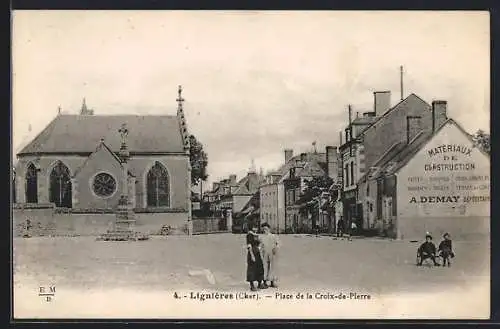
x,y
270,245
255,267
354,228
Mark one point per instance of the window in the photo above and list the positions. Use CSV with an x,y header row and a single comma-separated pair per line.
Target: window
x,y
104,185
347,175
158,193
60,186
352,174
31,184
368,189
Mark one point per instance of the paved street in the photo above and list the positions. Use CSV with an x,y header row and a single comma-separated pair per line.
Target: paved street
x,y
306,262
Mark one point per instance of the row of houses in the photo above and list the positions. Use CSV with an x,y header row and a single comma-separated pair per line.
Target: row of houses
x,y
395,182
398,171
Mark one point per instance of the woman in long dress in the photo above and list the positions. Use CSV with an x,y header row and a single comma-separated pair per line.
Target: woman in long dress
x,y
255,267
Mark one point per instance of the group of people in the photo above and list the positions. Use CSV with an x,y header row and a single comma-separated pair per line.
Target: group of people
x,y
262,253
341,228
427,250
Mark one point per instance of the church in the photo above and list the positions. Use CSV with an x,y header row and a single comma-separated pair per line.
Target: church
x,y
73,164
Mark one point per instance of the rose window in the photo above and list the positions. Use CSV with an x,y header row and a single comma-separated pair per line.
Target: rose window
x,y
104,185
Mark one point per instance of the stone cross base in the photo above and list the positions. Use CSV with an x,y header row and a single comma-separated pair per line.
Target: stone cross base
x,y
126,235
124,226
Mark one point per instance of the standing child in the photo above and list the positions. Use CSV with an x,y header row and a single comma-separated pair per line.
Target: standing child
x,y
270,245
445,249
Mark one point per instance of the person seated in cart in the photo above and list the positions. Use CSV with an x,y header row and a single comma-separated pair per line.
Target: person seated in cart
x,y
427,250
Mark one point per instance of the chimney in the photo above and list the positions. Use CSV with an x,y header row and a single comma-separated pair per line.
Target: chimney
x,y
439,115
332,162
253,181
413,127
232,179
288,155
303,157
382,102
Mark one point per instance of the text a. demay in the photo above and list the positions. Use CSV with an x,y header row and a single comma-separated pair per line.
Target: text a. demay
x,y
436,199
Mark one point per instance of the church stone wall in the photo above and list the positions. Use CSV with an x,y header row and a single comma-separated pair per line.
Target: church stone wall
x,y
46,222
177,167
45,164
83,197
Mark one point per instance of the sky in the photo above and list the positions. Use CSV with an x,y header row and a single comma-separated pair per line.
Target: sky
x,y
254,82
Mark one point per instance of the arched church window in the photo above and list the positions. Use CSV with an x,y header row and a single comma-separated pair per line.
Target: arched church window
x,y
104,185
31,184
60,186
158,186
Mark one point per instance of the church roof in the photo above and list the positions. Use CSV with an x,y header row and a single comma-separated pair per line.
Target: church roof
x,y
81,133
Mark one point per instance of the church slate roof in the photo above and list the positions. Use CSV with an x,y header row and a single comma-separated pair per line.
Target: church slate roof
x,y
81,133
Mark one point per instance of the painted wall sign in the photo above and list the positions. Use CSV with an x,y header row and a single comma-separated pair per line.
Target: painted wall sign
x,y
448,177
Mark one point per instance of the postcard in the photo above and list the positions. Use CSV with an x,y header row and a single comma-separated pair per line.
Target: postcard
x,y
251,165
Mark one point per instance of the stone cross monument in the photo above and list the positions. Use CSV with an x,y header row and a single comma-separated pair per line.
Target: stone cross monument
x,y
123,229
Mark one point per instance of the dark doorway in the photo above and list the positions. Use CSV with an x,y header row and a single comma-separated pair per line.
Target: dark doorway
x,y
31,184
60,186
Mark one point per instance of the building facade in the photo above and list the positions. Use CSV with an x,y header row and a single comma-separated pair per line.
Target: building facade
x,y
73,164
374,138
272,194
272,210
306,168
439,183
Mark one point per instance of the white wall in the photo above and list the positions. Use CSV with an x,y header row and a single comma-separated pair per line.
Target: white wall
x,y
425,197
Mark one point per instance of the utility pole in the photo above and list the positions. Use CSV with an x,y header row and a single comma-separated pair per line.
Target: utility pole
x,y
401,81
350,130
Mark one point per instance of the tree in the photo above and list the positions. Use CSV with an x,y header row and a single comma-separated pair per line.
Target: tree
x,y
199,161
314,188
482,140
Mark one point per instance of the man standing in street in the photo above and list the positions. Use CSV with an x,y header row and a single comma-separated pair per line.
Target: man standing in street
x,y
270,245
340,228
